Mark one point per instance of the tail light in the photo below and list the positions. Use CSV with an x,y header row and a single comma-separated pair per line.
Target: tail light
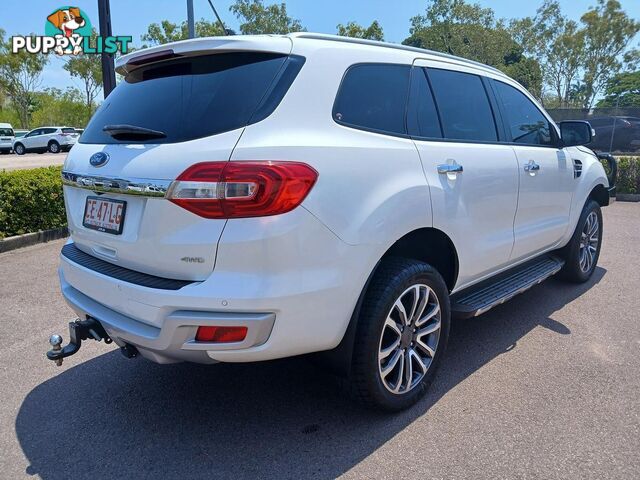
x,y
242,189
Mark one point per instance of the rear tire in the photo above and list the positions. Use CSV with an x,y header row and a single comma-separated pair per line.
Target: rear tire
x,y
582,252
53,147
401,335
19,149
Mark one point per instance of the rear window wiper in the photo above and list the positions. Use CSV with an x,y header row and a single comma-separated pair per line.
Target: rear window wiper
x,y
132,132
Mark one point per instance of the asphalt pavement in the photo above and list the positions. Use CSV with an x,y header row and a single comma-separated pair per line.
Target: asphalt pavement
x,y
11,161
546,386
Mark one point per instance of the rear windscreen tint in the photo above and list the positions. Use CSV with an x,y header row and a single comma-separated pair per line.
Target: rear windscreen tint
x,y
68,130
195,97
6,132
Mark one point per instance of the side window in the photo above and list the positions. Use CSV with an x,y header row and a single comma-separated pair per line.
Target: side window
x,y
463,104
34,133
422,115
373,97
524,121
49,131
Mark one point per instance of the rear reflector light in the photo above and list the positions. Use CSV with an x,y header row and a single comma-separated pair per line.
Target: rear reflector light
x,y
221,334
242,189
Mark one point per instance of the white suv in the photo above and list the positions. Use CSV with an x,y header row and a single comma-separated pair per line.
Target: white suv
x,y
7,136
249,198
46,139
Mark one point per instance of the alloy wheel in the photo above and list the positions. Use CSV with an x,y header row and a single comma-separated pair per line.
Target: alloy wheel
x,y
409,339
589,240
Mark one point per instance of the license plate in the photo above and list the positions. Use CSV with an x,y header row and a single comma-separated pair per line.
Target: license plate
x,y
104,214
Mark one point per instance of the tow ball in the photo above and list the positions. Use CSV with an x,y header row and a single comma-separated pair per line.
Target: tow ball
x,y
79,330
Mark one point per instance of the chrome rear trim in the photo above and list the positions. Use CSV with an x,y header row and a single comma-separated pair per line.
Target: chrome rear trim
x,y
132,186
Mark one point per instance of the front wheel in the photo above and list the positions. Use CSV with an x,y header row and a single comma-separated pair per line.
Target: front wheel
x,y
19,149
401,335
582,253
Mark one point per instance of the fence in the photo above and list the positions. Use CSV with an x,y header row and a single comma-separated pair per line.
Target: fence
x,y
617,129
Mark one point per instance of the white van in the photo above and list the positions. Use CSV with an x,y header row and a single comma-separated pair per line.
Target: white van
x,y
7,136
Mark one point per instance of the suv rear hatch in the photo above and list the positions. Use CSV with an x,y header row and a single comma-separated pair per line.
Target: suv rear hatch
x,y
195,97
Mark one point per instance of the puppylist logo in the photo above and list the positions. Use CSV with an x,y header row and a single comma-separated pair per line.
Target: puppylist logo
x,y
67,31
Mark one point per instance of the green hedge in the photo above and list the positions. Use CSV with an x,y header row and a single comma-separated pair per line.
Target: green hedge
x,y
31,200
628,175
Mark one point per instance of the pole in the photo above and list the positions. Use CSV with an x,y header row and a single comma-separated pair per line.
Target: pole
x,y
108,68
190,20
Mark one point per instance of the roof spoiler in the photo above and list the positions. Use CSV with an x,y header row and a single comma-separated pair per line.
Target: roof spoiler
x,y
203,46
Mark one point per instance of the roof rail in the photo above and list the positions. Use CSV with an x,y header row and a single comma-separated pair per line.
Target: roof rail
x,y
397,46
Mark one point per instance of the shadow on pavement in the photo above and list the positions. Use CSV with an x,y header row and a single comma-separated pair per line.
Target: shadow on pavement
x,y
112,417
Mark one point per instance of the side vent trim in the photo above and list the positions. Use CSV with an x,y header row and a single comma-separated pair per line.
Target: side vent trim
x,y
577,168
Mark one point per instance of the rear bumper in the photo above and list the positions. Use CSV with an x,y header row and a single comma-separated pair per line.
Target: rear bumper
x,y
175,341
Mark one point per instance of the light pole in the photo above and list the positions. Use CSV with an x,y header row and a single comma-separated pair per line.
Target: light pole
x,y
108,69
190,20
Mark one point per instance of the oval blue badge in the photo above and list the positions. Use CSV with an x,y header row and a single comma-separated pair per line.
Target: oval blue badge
x,y
99,159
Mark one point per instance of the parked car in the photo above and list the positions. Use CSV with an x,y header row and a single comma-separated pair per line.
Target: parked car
x,y
7,135
616,134
43,139
21,133
313,193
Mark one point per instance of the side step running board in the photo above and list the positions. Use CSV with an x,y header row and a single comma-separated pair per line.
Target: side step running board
x,y
478,299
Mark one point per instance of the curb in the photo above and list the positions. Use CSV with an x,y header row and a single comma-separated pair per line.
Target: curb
x,y
19,241
628,197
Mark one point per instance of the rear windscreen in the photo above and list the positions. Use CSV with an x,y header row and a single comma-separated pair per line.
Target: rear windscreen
x,y
193,98
6,132
68,130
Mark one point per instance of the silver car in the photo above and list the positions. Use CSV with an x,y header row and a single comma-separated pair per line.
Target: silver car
x,y
43,139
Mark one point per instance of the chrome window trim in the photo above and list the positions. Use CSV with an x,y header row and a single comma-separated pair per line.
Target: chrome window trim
x,y
146,187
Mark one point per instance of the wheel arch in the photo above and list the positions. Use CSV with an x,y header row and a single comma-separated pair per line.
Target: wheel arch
x,y
600,194
423,244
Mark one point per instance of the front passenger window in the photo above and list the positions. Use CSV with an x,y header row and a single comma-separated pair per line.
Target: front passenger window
x,y
526,123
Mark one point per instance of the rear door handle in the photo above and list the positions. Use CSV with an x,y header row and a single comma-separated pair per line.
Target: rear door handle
x,y
531,167
449,168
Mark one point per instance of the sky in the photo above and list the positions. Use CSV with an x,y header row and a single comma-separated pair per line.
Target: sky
x,y
131,17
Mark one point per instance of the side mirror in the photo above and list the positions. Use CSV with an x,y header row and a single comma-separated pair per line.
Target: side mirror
x,y
576,132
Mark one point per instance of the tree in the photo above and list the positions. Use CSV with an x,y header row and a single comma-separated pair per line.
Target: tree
x,y
556,43
20,76
166,31
458,28
470,31
622,90
60,107
256,18
608,30
353,29
88,68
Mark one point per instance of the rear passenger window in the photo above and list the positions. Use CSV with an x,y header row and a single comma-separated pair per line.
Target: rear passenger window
x,y
422,116
374,97
525,122
463,105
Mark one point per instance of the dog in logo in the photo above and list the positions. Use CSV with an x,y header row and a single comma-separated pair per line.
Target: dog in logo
x,y
67,20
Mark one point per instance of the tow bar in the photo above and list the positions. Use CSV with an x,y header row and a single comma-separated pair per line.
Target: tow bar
x,y
79,330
